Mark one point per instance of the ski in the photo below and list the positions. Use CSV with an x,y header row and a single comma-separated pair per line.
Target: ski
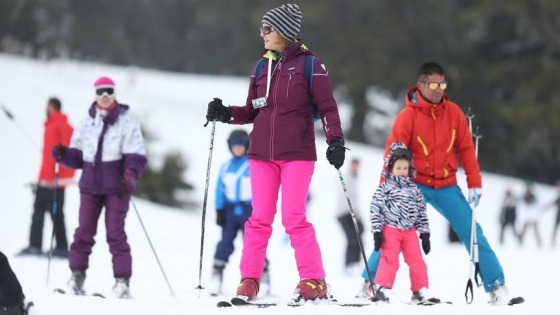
x,y
431,302
516,300
239,302
96,294
224,304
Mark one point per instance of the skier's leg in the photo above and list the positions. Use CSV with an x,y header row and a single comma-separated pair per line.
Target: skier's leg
x,y
90,209
265,183
43,200
503,226
354,245
295,180
373,264
348,228
389,262
413,257
58,221
116,209
225,247
555,231
537,233
452,204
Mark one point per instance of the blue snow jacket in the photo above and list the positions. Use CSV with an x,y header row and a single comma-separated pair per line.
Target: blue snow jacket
x,y
234,186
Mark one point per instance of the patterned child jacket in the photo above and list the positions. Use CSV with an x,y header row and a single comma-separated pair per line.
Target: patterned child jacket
x,y
398,203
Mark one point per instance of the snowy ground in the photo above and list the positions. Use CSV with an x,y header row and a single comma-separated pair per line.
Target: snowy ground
x,y
173,106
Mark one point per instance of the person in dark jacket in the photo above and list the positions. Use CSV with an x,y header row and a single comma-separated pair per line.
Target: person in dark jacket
x,y
57,131
282,153
109,148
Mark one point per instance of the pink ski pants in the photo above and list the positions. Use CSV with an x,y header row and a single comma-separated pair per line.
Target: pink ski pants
x,y
267,178
395,241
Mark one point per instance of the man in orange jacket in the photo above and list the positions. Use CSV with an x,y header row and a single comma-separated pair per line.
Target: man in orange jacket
x,y
57,131
435,130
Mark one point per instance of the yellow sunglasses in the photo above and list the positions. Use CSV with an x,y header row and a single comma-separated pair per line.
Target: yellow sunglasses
x,y
434,85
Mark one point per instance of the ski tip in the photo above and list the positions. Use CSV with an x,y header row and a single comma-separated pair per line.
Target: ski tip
x,y
224,304
58,290
99,295
516,300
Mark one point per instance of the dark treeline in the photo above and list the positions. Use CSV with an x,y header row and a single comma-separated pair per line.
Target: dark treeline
x,y
502,57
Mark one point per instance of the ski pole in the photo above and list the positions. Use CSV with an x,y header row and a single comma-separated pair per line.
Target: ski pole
x,y
357,229
54,214
473,246
470,117
152,246
199,287
13,119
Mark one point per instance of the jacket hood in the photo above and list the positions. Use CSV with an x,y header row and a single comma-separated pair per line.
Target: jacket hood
x,y
398,150
415,99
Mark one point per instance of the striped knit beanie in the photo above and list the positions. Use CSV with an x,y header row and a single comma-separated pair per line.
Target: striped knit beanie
x,y
286,20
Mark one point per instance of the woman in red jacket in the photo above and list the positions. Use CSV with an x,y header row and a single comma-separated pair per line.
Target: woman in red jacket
x,y
282,152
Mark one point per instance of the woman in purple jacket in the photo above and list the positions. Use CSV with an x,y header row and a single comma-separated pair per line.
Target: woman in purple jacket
x,y
282,152
109,148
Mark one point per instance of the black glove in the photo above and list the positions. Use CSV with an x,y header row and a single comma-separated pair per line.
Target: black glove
x,y
377,240
336,152
58,152
221,217
217,111
425,242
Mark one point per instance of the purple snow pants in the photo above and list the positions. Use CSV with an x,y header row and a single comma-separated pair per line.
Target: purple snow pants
x,y
115,214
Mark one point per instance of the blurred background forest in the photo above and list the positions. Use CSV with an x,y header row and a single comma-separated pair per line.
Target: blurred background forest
x,y
502,58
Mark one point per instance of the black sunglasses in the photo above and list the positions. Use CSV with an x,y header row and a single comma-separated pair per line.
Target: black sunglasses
x,y
267,29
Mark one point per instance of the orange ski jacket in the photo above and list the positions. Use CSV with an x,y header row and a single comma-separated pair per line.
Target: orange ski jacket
x,y
439,137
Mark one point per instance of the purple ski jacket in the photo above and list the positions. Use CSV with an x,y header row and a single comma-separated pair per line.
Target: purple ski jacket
x,y
104,146
283,129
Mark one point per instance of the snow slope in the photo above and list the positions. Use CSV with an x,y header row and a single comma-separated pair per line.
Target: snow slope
x,y
173,107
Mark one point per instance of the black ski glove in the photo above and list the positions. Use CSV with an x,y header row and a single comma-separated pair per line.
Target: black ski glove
x,y
425,242
58,152
378,239
217,111
221,217
336,152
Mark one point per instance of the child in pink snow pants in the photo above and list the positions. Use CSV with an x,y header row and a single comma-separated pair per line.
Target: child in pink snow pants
x,y
397,212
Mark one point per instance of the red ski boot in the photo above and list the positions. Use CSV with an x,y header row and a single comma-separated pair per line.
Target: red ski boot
x,y
248,288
